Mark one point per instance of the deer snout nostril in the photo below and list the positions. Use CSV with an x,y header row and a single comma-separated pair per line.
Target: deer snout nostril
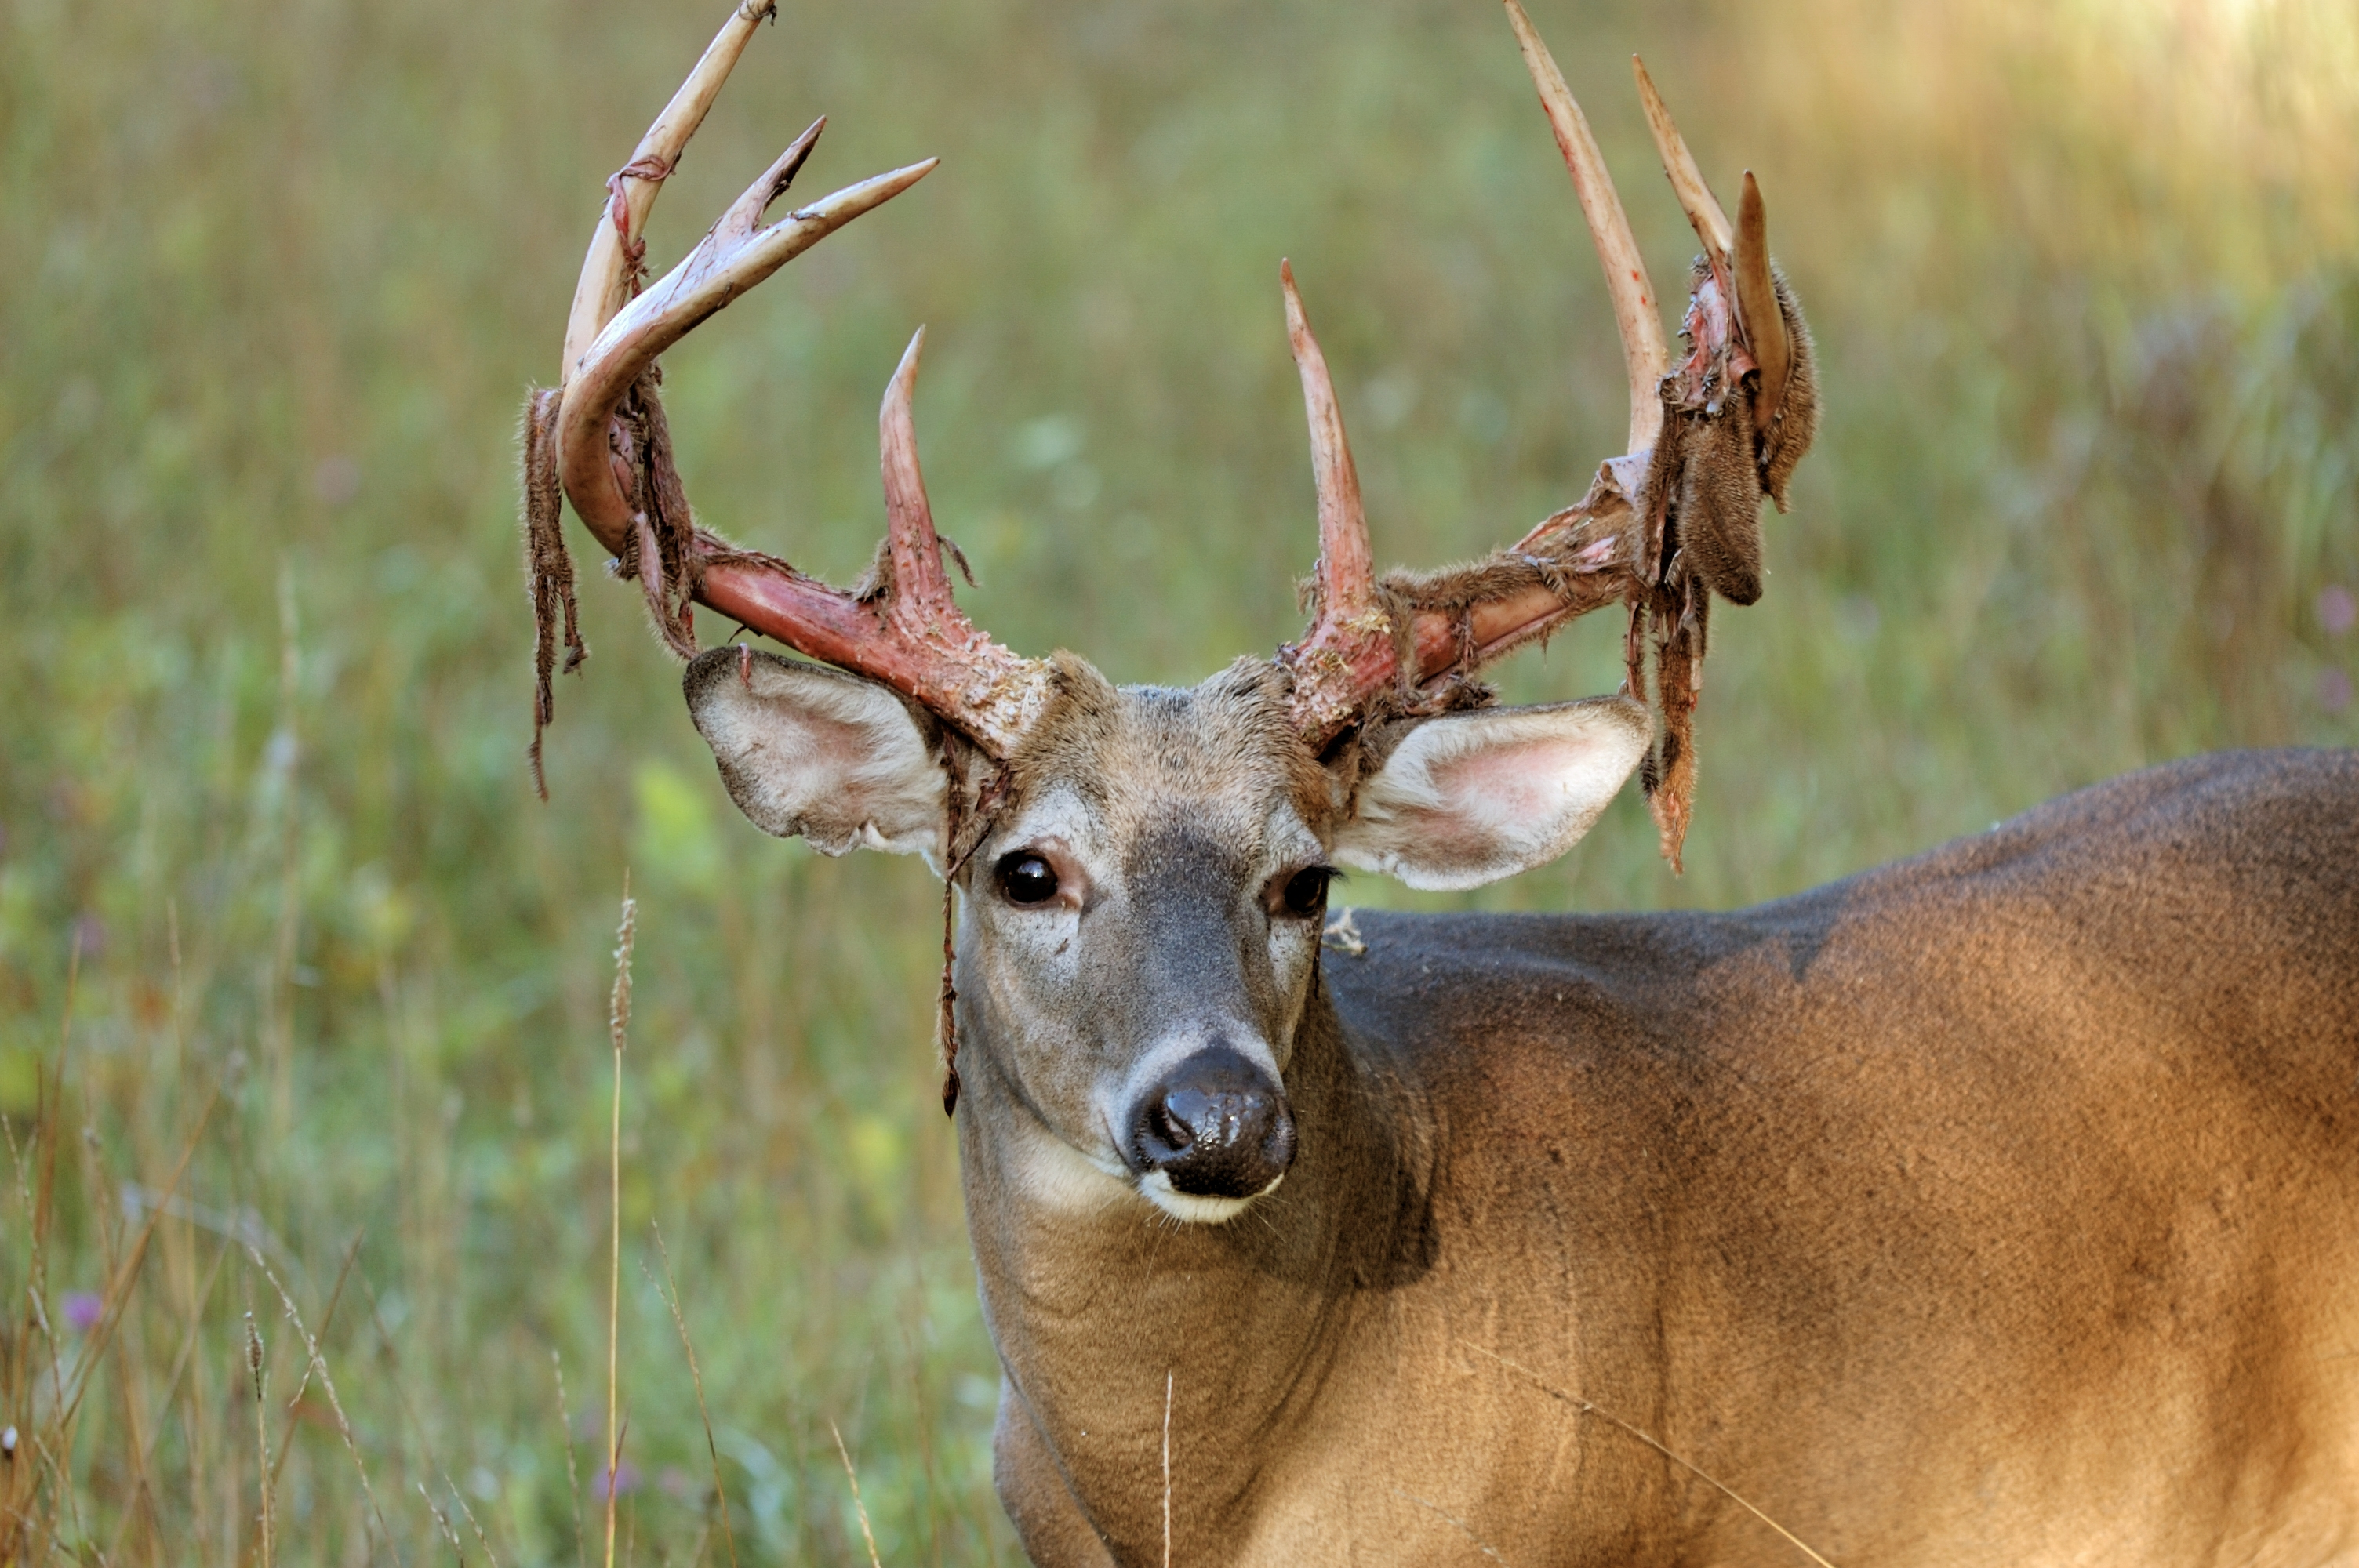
x,y
1172,1120
1217,1125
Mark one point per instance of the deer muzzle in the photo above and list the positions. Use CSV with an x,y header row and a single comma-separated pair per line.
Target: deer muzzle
x,y
1216,1126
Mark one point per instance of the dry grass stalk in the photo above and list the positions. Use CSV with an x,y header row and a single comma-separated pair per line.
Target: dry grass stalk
x,y
190,1332
25,1497
135,1425
319,1363
118,1293
22,1481
51,1440
1464,1529
858,1507
618,1023
442,1522
327,1327
679,1321
1587,1408
572,1474
260,1367
482,1539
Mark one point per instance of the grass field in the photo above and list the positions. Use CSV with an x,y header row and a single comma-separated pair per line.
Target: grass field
x,y
304,998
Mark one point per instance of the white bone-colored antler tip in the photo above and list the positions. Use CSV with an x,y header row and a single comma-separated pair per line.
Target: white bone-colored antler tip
x,y
1346,562
896,430
605,286
904,371
1645,351
1696,200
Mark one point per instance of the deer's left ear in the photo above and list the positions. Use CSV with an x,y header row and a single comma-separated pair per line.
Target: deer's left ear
x,y
1469,798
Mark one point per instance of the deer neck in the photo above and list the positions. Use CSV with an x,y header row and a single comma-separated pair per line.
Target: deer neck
x,y
1103,1309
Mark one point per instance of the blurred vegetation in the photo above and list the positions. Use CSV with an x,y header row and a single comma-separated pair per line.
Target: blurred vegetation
x,y
2085,280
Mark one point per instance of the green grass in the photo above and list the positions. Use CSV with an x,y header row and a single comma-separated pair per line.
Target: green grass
x,y
2085,280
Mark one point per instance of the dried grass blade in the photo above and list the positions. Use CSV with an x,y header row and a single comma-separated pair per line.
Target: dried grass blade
x,y
679,1321
618,1023
319,1363
327,1327
1587,1407
572,1474
260,1366
857,1506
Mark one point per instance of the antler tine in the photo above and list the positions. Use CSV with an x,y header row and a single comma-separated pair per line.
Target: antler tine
x,y
730,260
1696,198
614,248
920,586
1644,352
1347,586
1756,301
1349,652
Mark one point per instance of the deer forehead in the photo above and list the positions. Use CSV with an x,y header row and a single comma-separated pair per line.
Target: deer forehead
x,y
1154,764
1207,765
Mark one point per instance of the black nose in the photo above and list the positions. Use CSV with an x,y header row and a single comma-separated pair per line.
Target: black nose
x,y
1215,1125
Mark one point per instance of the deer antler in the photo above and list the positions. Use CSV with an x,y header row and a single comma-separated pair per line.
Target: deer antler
x,y
604,434
1672,519
1664,525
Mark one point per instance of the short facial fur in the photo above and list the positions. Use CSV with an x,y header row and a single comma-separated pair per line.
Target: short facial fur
x,y
1174,821
1144,912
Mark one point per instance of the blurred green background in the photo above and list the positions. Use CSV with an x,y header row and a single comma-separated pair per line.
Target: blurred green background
x,y
2085,280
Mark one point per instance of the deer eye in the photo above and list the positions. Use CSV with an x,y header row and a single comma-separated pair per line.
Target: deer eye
x,y
1306,891
1027,879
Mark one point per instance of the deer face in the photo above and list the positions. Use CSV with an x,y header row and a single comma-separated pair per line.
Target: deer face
x,y
1143,914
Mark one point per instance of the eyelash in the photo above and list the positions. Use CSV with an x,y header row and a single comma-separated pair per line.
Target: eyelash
x,y
1315,898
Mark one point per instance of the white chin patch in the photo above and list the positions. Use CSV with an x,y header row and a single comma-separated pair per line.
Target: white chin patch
x,y
1196,1209
1061,1178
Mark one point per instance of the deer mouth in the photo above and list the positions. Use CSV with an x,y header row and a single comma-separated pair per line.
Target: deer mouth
x,y
1195,1208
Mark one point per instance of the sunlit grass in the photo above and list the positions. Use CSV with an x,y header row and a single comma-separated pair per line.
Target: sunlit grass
x,y
2084,286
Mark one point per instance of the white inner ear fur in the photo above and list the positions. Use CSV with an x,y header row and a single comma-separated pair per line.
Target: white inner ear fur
x,y
1469,798
808,750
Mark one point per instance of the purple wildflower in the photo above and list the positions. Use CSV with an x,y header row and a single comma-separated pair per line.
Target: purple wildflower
x,y
83,1309
627,1481
2338,609
89,937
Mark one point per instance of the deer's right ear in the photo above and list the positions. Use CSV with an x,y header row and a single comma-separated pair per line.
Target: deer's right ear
x,y
808,750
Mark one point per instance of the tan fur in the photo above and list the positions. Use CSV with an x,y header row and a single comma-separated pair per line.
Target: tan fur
x,y
2000,1206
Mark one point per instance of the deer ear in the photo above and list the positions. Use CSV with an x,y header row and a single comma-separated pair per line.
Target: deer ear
x,y
1468,798
804,749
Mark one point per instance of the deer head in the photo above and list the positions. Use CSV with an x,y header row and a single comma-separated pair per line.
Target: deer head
x,y
1145,870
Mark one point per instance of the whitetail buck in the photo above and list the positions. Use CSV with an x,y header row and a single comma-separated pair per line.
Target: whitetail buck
x,y
1999,1206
